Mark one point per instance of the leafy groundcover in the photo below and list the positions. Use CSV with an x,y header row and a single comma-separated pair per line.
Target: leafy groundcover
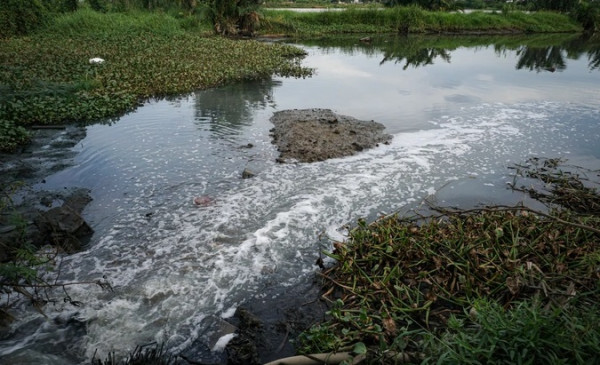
x,y
489,285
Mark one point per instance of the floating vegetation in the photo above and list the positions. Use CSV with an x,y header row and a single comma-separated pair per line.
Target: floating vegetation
x,y
429,287
47,78
562,185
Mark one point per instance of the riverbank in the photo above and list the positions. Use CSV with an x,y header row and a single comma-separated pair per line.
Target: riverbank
x,y
488,284
410,20
196,232
47,78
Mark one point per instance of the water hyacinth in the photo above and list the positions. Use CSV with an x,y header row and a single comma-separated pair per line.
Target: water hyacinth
x,y
57,77
450,284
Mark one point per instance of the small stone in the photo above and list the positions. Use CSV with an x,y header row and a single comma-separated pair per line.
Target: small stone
x,y
247,174
203,200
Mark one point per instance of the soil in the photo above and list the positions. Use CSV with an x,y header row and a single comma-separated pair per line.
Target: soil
x,y
310,135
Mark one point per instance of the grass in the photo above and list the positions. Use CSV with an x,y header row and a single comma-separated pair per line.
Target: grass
x,y
46,78
413,20
489,285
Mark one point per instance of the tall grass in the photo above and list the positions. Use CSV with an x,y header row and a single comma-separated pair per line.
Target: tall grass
x,y
413,20
87,22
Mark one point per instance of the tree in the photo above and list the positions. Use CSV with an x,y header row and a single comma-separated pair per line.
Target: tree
x,y
233,17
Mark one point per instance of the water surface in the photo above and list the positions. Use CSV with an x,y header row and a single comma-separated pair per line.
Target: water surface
x,y
460,110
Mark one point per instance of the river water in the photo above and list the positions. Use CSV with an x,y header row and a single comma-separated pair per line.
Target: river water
x,y
460,110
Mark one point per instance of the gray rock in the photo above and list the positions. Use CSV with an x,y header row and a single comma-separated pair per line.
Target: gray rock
x,y
64,227
311,135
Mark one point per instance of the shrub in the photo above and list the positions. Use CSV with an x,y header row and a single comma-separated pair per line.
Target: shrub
x,y
588,14
61,6
20,17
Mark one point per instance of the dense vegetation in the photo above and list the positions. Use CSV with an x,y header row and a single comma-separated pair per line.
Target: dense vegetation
x,y
46,78
491,285
414,19
161,47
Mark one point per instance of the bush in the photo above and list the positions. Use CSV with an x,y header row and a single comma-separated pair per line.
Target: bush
x,y
588,14
61,6
20,17
231,17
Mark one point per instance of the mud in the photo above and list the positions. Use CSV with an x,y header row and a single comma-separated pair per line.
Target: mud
x,y
310,135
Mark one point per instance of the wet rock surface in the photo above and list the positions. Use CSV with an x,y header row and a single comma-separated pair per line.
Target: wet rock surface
x,y
38,216
59,225
270,322
310,135
263,327
50,151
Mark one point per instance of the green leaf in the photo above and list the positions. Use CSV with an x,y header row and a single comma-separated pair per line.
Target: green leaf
x,y
359,348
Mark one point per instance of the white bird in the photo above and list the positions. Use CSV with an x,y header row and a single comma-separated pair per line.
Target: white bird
x,y
96,60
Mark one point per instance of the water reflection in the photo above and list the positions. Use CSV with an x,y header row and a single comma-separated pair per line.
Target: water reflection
x,y
224,111
535,53
541,58
417,58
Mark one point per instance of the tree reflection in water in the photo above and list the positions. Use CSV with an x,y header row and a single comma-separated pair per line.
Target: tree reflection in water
x,y
535,52
224,110
541,58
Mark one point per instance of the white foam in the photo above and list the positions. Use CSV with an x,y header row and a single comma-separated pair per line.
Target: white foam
x,y
174,270
222,342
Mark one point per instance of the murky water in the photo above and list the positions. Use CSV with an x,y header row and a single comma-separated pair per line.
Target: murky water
x,y
459,115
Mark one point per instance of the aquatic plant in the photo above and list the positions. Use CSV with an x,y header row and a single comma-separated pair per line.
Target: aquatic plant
x,y
12,136
495,283
47,78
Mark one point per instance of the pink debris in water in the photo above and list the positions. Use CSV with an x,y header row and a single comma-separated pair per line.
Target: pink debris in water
x,y
203,200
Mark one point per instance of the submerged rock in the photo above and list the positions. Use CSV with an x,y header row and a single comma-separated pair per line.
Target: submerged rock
x,y
311,135
247,174
61,225
203,201
64,227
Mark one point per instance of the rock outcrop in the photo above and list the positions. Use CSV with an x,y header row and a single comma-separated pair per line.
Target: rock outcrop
x,y
311,135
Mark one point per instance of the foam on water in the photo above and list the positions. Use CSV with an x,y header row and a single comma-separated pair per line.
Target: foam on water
x,y
176,271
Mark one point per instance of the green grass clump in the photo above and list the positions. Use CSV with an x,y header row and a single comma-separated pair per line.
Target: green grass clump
x,y
526,334
412,19
46,78
489,285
